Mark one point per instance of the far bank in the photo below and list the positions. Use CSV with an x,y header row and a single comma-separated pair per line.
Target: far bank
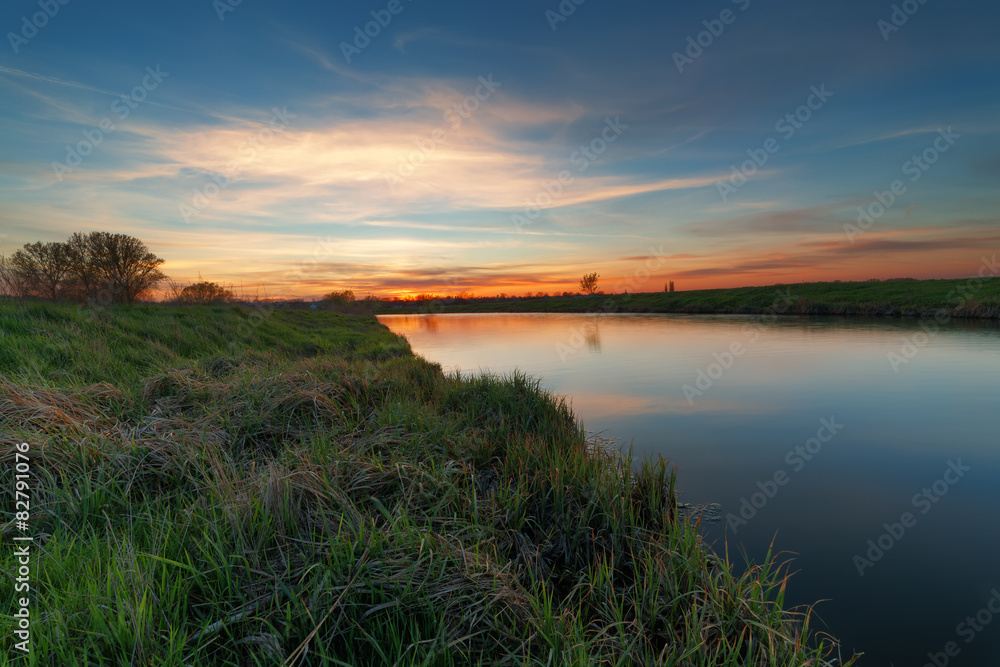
x,y
975,297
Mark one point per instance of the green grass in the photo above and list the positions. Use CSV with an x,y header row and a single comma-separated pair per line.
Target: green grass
x,y
214,488
958,298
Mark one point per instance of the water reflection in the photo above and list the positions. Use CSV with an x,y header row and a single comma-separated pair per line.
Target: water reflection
x,y
592,336
751,438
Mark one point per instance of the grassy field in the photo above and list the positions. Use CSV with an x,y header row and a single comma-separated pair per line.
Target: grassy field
x,y
958,298
212,488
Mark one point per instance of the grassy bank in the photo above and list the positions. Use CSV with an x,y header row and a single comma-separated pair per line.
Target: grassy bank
x,y
211,489
957,298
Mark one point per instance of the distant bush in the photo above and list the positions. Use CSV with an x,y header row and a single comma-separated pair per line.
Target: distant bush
x,y
339,297
205,293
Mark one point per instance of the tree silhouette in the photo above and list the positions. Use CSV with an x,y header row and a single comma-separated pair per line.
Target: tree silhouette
x,y
120,263
95,265
589,283
44,268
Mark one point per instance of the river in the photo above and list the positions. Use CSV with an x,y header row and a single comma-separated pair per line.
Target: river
x,y
867,450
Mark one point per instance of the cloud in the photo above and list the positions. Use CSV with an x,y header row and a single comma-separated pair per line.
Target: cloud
x,y
988,166
878,138
755,267
346,168
636,258
881,246
75,116
55,80
811,220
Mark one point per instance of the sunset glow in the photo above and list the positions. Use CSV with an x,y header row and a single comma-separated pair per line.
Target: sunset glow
x,y
490,149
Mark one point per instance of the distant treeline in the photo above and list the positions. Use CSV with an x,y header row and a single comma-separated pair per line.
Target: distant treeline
x,y
466,297
105,268
976,297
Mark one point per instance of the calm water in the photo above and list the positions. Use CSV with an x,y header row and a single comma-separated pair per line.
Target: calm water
x,y
914,447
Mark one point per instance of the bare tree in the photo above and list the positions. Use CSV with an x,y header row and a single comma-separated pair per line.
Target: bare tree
x,y
46,269
11,282
112,267
86,282
589,283
119,263
173,291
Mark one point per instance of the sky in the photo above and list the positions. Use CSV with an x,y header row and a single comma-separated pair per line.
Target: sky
x,y
418,146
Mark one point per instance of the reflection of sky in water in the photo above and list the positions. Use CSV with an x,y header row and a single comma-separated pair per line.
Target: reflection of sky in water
x,y
625,374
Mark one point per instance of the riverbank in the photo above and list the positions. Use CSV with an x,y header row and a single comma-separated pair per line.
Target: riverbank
x,y
966,298
208,487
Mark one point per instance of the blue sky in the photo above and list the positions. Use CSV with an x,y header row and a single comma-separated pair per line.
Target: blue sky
x,y
242,146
